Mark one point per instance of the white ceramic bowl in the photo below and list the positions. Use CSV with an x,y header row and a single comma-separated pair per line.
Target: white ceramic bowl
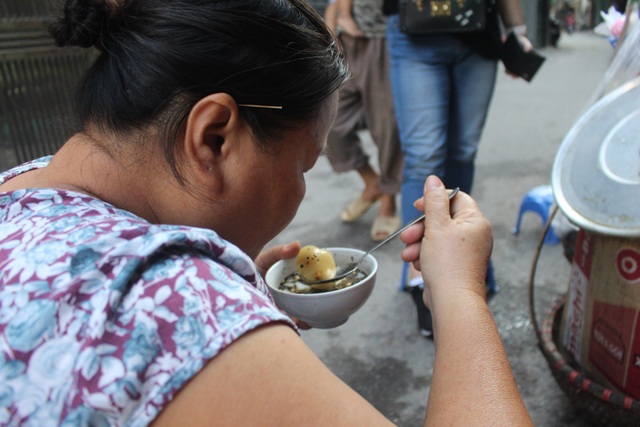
x,y
327,309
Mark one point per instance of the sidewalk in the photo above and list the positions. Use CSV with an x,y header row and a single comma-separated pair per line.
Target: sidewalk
x,y
378,351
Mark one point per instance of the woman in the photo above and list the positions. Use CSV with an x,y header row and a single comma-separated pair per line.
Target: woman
x,y
365,97
120,304
442,88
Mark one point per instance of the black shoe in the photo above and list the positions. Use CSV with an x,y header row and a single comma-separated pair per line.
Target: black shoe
x,y
425,323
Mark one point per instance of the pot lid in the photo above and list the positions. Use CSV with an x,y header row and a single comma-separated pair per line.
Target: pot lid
x,y
596,173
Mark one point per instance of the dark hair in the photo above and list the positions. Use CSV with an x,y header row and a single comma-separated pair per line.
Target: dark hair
x,y
160,57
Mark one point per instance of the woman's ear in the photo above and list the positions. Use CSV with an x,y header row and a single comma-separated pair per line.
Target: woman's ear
x,y
212,124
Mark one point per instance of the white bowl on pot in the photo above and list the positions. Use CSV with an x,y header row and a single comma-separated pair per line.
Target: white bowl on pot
x,y
326,309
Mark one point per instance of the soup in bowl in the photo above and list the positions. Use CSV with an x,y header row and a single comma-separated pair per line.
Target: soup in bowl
x,y
323,308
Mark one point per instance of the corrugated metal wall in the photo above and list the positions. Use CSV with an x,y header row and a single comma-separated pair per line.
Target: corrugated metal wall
x,y
37,82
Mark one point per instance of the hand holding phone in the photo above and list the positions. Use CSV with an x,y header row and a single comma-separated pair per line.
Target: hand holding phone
x,y
519,62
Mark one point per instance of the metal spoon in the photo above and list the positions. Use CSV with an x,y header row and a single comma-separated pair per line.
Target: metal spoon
x,y
352,267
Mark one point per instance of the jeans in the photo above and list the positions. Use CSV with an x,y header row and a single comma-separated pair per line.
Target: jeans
x,y
441,92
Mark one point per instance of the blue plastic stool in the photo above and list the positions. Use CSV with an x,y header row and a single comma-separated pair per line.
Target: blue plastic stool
x,y
538,200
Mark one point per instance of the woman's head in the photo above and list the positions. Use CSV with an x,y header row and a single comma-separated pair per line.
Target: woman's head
x,y
160,57
194,76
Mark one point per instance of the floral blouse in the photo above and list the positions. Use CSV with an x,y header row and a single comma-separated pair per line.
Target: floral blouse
x,y
105,316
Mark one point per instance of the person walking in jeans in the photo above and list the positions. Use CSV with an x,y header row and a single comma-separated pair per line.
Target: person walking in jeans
x,y
442,87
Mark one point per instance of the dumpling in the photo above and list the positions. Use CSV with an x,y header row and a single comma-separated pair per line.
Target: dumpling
x,y
313,264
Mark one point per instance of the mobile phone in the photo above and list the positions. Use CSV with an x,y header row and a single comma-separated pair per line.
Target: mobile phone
x,y
519,62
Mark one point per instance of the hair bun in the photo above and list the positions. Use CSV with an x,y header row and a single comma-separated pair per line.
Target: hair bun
x,y
82,23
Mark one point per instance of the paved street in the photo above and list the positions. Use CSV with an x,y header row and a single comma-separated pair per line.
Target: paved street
x,y
378,351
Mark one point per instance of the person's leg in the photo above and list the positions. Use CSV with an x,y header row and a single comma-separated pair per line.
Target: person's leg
x,y
421,89
420,79
380,114
473,85
473,81
344,149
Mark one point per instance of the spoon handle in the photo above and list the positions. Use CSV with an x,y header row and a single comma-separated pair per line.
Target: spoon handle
x,y
392,235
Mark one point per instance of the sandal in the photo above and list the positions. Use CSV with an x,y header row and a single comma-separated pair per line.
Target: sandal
x,y
356,209
384,226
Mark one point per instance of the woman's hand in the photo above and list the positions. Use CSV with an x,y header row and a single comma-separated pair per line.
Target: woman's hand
x,y
272,255
349,26
452,247
470,369
526,45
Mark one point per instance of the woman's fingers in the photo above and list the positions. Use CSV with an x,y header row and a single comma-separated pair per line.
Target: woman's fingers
x,y
457,242
419,204
411,252
272,255
438,206
437,202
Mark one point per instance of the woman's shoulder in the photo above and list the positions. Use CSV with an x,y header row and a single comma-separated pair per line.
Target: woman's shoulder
x,y
25,167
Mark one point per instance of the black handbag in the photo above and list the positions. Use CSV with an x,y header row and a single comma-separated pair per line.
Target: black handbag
x,y
442,16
